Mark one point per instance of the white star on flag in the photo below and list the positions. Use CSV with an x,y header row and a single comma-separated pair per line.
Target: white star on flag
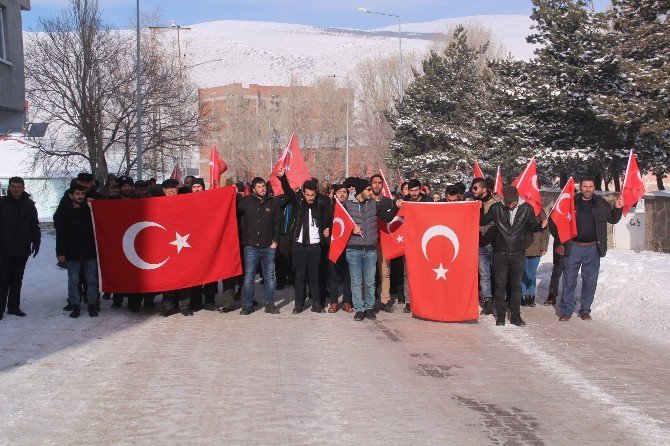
x,y
180,242
441,272
400,239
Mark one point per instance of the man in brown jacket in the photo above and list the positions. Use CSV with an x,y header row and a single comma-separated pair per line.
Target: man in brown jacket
x,y
537,243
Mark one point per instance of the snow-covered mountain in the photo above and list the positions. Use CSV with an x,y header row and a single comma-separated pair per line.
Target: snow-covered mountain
x,y
268,53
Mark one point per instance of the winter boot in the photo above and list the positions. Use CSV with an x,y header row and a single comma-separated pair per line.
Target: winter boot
x,y
93,310
487,306
551,300
531,301
524,301
75,312
271,309
407,308
515,319
500,319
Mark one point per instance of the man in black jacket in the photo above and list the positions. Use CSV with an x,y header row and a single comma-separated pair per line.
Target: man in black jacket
x,y
512,220
19,237
259,226
309,226
75,246
585,250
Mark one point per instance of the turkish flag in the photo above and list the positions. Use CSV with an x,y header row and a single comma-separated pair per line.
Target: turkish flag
x,y
386,190
167,243
294,164
528,187
176,174
563,214
392,237
216,167
340,232
499,183
441,253
633,186
477,171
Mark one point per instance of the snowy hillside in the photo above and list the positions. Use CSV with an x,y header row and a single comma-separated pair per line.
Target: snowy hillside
x,y
224,52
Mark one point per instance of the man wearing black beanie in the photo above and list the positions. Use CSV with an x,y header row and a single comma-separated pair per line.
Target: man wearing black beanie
x,y
512,220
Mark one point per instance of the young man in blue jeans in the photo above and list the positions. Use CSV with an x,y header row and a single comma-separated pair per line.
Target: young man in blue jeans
x,y
361,250
75,247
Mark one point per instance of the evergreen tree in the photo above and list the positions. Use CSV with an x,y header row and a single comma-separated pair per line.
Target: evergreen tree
x,y
438,125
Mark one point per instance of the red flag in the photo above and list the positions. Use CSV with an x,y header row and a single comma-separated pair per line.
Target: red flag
x,y
477,171
563,214
176,174
633,186
528,187
499,183
294,165
386,190
343,224
392,237
246,189
167,243
441,253
216,167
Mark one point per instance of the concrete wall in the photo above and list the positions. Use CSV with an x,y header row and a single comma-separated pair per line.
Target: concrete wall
x,y
12,78
657,222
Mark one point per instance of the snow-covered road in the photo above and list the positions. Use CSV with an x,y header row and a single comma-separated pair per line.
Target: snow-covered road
x,y
325,379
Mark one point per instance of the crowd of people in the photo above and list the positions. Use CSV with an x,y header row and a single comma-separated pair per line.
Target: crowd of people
x,y
285,237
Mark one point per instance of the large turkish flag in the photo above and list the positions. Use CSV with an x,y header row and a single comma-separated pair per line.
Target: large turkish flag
x,y
167,243
293,163
441,252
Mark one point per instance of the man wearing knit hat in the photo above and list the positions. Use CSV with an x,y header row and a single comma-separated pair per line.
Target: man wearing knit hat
x,y
362,246
512,220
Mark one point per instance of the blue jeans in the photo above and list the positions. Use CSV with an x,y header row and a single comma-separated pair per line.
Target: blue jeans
x,y
362,268
588,259
90,267
252,257
485,264
528,282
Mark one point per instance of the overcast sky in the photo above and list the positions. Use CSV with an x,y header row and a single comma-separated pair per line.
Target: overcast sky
x,y
330,13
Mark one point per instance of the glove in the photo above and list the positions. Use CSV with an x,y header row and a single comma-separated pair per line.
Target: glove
x,y
36,249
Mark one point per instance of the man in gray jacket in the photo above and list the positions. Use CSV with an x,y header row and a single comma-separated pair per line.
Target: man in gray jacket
x,y
362,246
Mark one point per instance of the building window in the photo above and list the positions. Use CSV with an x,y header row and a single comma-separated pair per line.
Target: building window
x,y
3,34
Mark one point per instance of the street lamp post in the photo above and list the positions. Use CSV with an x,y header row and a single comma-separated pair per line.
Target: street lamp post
x,y
178,29
138,74
346,152
400,70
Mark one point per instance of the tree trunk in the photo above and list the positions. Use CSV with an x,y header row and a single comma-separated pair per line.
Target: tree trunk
x,y
599,181
563,180
659,181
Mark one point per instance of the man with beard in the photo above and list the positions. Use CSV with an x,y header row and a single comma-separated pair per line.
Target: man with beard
x,y
487,235
512,220
308,229
20,236
383,285
75,247
259,217
585,250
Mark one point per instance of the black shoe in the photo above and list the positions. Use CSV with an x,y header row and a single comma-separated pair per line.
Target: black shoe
x,y
359,316
318,309
167,312
75,313
515,319
106,296
407,308
500,320
68,307
271,309
531,301
17,312
370,314
197,306
246,311
487,306
524,301
210,306
93,310
297,310
551,300
187,312
401,299
386,308
226,309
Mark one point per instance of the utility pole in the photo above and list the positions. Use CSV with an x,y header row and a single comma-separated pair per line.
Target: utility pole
x,y
139,97
178,28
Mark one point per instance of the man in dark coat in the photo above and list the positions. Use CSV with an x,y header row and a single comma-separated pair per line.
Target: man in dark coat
x,y
585,250
512,220
19,237
309,226
75,247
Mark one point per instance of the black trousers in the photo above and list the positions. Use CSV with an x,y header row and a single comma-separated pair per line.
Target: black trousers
x,y
209,290
556,272
306,261
508,270
171,298
397,276
11,279
338,276
228,292
283,260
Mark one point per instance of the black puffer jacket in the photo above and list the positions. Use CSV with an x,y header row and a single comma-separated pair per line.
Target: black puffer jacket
x,y
74,232
321,211
603,213
19,226
511,239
